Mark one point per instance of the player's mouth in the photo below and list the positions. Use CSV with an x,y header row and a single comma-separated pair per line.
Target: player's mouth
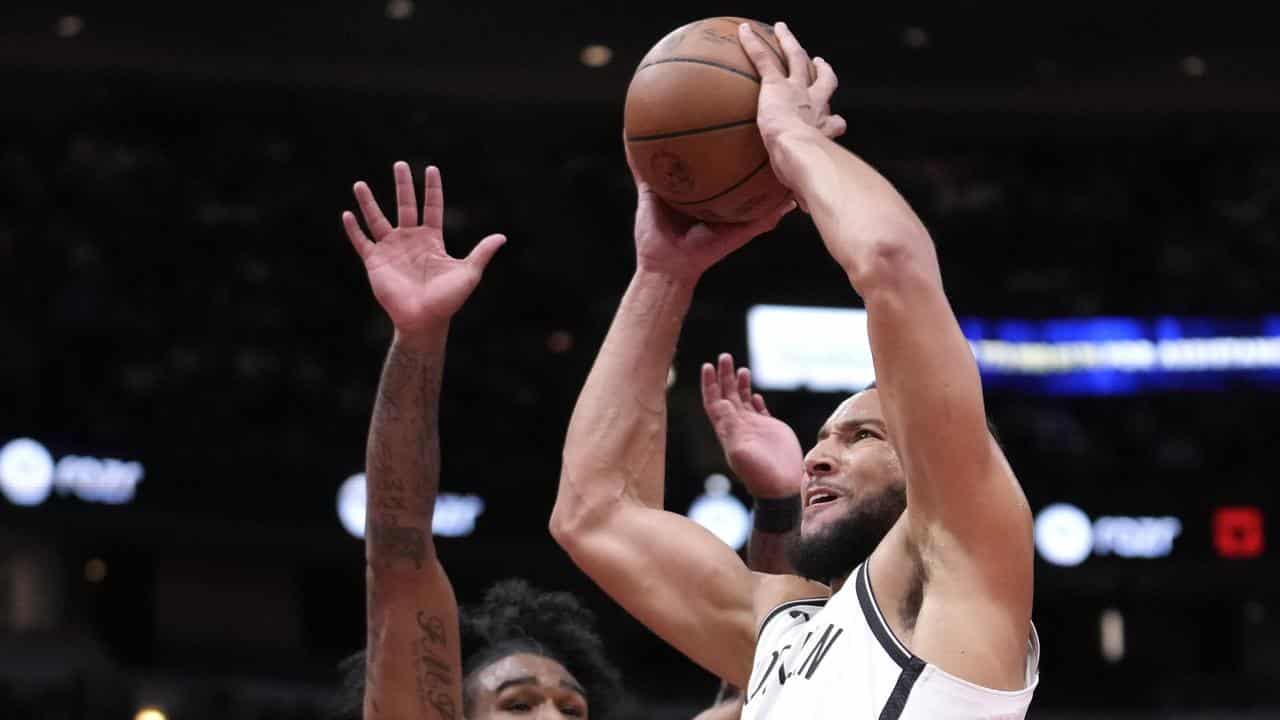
x,y
819,497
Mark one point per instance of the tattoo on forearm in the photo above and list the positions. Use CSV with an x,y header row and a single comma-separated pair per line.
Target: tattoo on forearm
x,y
403,459
432,628
435,681
391,504
392,541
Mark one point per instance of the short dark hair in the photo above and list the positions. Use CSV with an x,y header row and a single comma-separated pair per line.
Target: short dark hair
x,y
515,617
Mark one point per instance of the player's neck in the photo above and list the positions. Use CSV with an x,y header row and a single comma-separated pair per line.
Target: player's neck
x,y
838,583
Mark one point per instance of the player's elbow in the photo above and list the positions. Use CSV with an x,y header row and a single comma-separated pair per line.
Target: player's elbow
x,y
901,258
566,522
577,510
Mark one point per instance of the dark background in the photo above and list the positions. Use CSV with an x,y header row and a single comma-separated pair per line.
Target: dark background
x,y
175,288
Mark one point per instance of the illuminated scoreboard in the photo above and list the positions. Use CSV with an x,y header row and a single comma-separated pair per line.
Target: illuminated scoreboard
x,y
1059,356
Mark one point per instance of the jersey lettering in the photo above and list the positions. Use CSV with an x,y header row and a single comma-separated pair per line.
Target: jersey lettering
x,y
837,659
820,650
788,654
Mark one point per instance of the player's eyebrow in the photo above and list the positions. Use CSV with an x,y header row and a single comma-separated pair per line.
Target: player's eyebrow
x,y
522,680
531,680
849,425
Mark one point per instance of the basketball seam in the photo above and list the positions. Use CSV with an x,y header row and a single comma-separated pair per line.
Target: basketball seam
x,y
727,190
694,131
700,61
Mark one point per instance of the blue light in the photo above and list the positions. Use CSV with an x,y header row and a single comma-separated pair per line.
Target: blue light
x,y
1114,355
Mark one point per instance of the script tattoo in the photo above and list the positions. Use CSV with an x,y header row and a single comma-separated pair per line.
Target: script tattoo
x,y
431,628
435,681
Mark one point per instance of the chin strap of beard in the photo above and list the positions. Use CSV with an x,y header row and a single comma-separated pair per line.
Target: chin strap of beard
x,y
777,515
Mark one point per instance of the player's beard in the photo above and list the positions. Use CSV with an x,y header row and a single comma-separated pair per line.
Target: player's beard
x,y
833,552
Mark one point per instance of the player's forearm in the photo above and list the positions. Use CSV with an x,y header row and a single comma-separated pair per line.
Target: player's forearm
x,y
766,553
413,664
402,460
616,443
930,388
866,224
774,522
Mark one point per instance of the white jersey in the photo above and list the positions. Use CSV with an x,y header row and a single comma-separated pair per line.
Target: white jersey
x,y
823,659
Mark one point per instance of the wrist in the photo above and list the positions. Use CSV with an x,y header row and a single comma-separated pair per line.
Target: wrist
x,y
427,338
788,149
790,138
681,279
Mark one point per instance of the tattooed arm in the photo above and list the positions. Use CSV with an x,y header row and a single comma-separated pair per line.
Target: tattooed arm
x,y
414,662
414,666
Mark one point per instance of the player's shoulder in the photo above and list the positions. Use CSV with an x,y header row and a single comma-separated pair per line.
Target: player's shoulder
x,y
775,591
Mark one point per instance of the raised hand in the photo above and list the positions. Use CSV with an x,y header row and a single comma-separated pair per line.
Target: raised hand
x,y
414,279
796,98
670,243
762,451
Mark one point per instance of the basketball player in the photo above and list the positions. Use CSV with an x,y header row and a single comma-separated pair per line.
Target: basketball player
x,y
521,646
529,652
912,519
522,651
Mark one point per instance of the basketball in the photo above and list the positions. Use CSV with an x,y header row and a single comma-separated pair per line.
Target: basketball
x,y
690,123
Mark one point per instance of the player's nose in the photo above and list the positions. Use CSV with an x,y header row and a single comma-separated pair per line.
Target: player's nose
x,y
818,463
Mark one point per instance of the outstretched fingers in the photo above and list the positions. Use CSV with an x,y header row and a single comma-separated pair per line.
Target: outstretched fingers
x,y
744,386
728,378
406,198
757,402
484,251
721,381
359,240
373,217
433,200
710,386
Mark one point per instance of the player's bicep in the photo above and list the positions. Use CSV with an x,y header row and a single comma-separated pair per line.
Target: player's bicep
x,y
414,660
676,578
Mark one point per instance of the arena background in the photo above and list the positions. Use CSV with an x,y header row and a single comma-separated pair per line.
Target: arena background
x,y
176,292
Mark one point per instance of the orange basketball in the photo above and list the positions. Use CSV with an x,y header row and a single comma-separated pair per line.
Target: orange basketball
x,y
690,123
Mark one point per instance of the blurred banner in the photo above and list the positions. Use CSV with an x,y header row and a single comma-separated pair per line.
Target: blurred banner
x,y
29,474
826,349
